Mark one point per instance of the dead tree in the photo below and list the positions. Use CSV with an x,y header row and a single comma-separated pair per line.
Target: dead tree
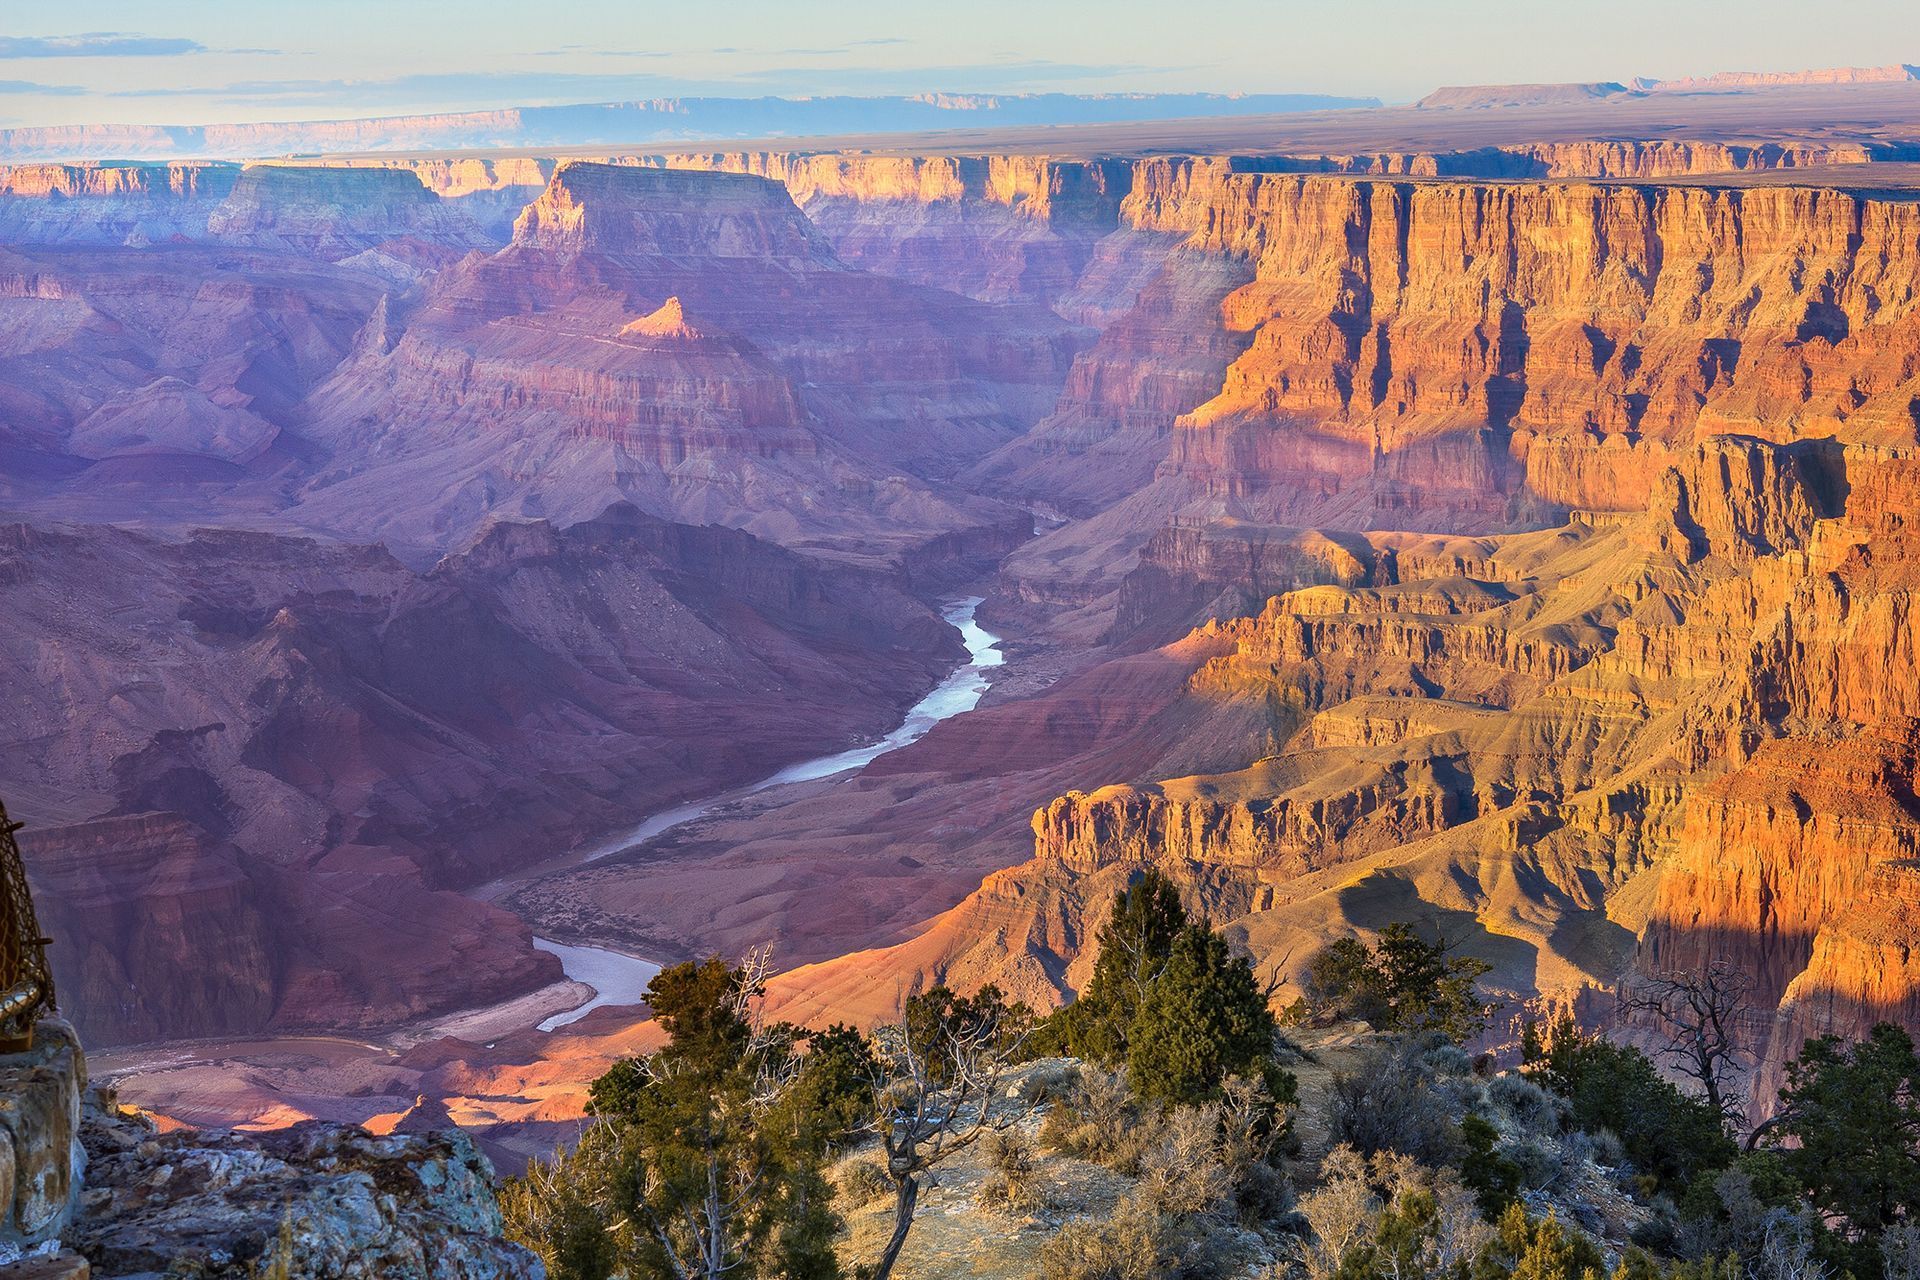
x,y
939,1072
1697,1013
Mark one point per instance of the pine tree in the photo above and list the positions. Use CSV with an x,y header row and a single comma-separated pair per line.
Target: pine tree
x,y
705,1155
1854,1111
1202,1019
1135,944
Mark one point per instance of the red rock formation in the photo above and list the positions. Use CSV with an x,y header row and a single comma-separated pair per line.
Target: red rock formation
x,y
806,392
1643,743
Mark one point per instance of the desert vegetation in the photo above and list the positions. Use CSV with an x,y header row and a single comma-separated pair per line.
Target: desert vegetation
x,y
1168,1124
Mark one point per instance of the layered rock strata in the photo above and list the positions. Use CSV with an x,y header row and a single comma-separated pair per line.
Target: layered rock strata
x,y
300,748
1636,745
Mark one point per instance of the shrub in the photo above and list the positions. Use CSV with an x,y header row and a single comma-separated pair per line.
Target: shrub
x,y
1049,1082
1012,1182
1616,1087
1538,1161
1101,1120
1494,1179
1539,1249
1531,1108
1130,1244
863,1181
1448,1060
1339,1212
1402,984
1394,1102
558,1208
1608,1150
1185,1174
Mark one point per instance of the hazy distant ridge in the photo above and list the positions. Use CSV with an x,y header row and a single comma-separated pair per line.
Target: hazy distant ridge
x,y
651,120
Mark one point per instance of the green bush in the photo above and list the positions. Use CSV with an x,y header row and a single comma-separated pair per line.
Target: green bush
x,y
1203,1018
1494,1179
1401,984
1617,1088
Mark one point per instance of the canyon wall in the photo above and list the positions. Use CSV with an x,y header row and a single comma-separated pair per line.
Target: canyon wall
x,y
292,751
1552,515
1616,747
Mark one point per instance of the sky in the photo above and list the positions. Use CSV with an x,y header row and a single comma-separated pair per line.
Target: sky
x,y
203,61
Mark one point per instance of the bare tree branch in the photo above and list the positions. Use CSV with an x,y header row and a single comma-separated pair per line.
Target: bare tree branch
x,y
1698,1013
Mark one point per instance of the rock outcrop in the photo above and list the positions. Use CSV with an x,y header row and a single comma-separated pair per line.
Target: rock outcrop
x,y
1421,355
41,1157
311,1200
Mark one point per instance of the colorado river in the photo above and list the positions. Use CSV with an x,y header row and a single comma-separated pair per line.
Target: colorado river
x,y
620,979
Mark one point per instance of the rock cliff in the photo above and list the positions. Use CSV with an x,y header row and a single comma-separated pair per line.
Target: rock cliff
x,y
817,405
1616,745
1507,530
311,1200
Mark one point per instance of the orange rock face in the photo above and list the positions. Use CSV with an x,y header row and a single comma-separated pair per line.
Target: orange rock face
x,y
1639,743
1484,530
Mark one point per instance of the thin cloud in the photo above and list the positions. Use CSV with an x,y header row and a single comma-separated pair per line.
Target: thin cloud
x,y
98,44
30,86
1003,77
492,86
587,50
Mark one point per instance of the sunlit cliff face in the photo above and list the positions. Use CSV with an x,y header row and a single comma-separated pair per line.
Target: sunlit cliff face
x,y
1379,534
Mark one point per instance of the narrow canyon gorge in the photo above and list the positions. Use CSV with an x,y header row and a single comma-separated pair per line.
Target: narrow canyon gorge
x,y
1494,517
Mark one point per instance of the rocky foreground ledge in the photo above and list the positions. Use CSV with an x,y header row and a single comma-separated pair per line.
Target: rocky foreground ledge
x,y
91,1190
316,1199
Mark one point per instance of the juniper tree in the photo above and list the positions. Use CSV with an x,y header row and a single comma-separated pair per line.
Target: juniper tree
x,y
939,1073
1203,1018
1134,946
1853,1113
704,1160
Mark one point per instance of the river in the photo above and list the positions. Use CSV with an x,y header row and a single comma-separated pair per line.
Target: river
x,y
621,979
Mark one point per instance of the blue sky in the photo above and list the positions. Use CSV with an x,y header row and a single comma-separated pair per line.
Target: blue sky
x,y
196,61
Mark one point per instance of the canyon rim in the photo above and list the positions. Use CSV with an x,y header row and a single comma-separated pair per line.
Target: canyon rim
x,y
463,558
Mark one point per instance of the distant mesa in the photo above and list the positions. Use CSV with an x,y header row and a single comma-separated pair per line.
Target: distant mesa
x,y
668,321
1469,96
1482,96
1893,73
